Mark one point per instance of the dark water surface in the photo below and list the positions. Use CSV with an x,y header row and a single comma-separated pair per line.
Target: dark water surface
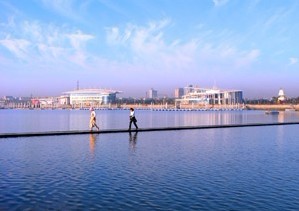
x,y
254,168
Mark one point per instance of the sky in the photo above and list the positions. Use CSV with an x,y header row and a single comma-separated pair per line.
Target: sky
x,y
46,46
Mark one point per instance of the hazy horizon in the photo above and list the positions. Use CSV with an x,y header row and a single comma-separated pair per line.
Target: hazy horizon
x,y
47,46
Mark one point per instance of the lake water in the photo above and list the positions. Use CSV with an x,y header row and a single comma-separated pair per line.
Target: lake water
x,y
254,168
60,120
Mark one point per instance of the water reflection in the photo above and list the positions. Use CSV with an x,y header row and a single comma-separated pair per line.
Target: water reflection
x,y
12,120
92,142
133,140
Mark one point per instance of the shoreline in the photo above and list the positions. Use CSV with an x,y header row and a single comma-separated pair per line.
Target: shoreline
x,y
278,107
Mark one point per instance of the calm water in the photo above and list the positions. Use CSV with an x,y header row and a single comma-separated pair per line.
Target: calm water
x,y
254,168
57,120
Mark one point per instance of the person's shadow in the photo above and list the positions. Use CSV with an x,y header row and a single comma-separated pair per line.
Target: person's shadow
x,y
133,140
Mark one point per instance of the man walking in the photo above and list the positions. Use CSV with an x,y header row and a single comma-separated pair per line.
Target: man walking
x,y
132,119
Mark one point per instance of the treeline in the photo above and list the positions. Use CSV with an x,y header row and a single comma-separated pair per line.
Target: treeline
x,y
271,101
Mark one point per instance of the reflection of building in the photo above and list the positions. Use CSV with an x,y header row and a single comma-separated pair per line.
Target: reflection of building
x,y
211,96
92,97
152,93
178,92
281,96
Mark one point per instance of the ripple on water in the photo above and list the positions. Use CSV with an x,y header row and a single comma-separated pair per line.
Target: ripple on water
x,y
180,170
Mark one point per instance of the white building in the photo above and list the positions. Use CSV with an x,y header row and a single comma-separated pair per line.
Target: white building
x,y
47,101
92,97
281,96
64,100
213,96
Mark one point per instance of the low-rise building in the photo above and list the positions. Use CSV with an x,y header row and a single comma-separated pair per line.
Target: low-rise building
x,y
92,97
212,96
64,100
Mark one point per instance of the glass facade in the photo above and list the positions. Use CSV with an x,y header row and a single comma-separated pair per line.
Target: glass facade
x,y
92,97
211,96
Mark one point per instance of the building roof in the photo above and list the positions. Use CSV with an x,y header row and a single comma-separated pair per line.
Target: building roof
x,y
93,91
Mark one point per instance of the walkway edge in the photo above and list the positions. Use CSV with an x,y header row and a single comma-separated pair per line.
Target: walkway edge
x,y
78,132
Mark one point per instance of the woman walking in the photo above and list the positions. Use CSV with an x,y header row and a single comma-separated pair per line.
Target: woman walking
x,y
132,119
93,120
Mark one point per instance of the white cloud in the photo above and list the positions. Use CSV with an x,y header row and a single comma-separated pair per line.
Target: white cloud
x,y
137,36
142,47
148,45
293,61
218,3
113,36
18,47
51,43
78,39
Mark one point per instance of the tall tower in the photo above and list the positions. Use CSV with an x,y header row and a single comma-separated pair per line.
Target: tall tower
x,y
77,85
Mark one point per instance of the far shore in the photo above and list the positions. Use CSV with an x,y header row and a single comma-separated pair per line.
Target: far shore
x,y
279,107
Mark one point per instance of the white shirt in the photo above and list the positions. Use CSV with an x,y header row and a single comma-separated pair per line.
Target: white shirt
x,y
132,113
93,113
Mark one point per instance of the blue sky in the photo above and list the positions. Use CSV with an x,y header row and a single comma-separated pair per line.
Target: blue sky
x,y
46,46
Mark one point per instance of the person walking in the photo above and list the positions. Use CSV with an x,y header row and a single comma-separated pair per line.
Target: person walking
x,y
132,119
93,120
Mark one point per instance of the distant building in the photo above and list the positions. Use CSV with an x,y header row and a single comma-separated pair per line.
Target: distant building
x,y
178,92
188,89
281,96
92,97
35,103
2,103
152,93
9,98
64,100
211,96
15,102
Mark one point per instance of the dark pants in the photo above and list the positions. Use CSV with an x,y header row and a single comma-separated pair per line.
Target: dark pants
x,y
134,121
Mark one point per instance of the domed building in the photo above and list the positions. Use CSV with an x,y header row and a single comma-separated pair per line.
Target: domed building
x,y
281,96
